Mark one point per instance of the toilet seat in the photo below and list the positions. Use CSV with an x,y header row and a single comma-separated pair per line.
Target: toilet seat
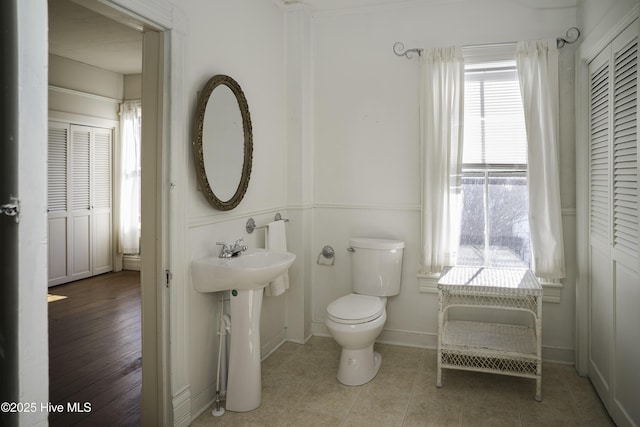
x,y
354,309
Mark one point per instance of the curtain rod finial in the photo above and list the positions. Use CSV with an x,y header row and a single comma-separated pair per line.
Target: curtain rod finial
x,y
398,49
571,36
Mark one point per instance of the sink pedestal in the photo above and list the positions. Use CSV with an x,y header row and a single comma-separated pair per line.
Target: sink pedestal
x,y
244,386
245,276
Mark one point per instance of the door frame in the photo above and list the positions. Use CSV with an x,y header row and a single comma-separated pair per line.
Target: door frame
x,y
165,376
166,396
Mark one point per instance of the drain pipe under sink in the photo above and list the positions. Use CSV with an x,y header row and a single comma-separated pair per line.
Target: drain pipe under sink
x,y
218,410
226,333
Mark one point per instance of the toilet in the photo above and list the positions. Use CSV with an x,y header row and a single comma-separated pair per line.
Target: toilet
x,y
355,320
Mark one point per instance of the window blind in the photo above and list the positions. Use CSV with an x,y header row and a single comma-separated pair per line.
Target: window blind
x,y
494,128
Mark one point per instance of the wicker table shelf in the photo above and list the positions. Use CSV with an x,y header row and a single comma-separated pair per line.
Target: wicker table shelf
x,y
490,347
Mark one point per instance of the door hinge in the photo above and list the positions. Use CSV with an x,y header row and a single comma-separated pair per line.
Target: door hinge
x,y
12,208
167,276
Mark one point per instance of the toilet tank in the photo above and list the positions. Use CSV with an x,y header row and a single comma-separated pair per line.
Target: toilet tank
x,y
376,266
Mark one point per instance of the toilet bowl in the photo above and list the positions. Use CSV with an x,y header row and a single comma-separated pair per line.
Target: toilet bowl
x,y
357,319
356,331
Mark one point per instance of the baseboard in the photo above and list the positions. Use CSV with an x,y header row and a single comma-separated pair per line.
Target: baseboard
x,y
390,336
182,408
430,341
319,329
203,401
271,344
565,356
131,262
408,338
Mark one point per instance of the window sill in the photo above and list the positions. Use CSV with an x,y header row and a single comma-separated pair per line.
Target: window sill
x,y
551,291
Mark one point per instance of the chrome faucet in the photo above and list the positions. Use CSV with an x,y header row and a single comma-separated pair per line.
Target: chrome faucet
x,y
228,250
225,251
238,247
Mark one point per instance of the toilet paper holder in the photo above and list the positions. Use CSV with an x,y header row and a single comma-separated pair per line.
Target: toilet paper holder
x,y
328,253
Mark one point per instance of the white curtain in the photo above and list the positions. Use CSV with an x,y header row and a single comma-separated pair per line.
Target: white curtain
x,y
537,63
441,114
130,120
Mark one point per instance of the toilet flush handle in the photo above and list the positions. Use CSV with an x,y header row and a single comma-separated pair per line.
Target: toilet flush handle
x,y
351,249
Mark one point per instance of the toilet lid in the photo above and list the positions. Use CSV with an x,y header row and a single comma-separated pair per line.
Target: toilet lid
x,y
354,308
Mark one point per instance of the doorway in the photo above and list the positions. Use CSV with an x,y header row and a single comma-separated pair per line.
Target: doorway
x,y
28,322
151,55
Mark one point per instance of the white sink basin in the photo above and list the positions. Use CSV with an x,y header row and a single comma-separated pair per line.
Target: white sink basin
x,y
253,269
245,276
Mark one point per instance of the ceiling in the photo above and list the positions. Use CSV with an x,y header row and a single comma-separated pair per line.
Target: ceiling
x,y
82,35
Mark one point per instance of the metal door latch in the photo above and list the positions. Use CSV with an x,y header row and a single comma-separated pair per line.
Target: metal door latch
x,y
12,208
168,276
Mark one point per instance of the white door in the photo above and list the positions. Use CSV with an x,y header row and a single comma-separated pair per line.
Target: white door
x,y
24,174
101,239
625,201
601,314
57,198
80,241
10,272
614,255
79,201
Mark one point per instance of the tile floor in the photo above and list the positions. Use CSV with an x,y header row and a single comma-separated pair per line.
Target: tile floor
x,y
300,389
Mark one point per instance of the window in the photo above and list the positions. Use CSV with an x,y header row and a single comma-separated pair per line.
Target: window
x,y
495,225
131,172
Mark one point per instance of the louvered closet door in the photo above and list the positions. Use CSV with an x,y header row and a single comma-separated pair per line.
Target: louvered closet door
x,y
101,194
57,202
80,202
625,200
601,314
614,347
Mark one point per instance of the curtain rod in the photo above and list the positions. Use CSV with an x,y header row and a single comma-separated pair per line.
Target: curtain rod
x,y
571,36
398,49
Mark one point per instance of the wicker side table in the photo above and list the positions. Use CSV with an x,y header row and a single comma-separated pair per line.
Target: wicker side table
x,y
490,347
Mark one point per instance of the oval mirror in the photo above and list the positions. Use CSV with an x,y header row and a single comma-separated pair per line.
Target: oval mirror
x,y
223,145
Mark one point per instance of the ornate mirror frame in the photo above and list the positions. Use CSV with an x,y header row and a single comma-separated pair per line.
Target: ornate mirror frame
x,y
198,143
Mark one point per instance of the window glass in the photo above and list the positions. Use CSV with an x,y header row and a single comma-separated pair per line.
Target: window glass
x,y
508,220
495,225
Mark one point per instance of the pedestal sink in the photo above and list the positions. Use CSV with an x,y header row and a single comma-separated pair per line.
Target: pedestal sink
x,y
245,276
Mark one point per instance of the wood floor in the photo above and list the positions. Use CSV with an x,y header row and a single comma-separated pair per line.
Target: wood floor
x,y
95,351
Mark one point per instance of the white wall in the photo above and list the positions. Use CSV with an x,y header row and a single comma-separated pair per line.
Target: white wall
x,y
244,40
366,145
596,17
70,74
132,87
77,88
